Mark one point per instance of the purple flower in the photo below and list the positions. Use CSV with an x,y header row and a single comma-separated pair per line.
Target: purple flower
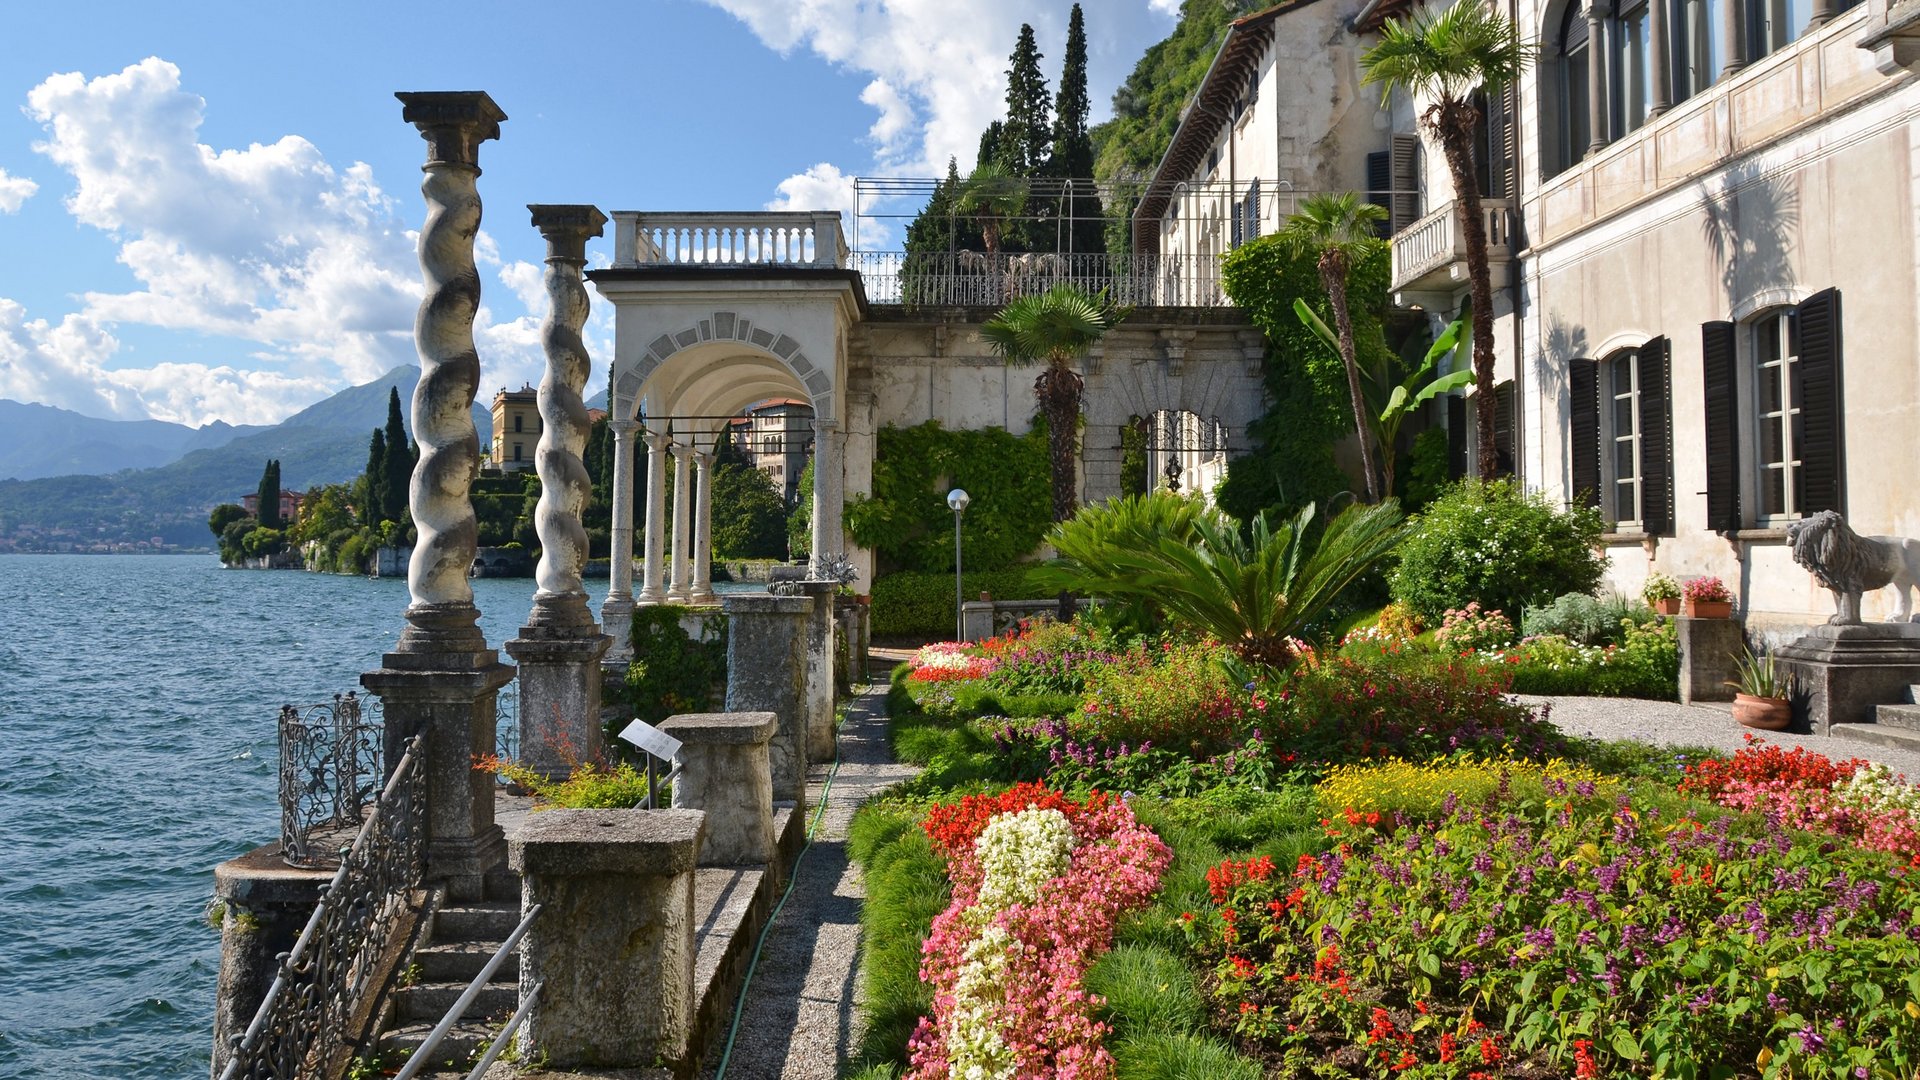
x,y
1810,1040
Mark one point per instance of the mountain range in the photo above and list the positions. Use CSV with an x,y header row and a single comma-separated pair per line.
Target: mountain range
x,y
101,498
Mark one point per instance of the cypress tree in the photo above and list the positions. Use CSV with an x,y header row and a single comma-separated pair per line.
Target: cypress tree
x,y
1025,143
400,461
1073,146
268,496
373,505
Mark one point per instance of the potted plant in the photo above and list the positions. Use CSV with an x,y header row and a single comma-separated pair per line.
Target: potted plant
x,y
1662,594
1707,598
1761,694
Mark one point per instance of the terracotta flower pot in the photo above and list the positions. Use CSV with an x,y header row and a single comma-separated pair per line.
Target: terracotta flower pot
x,y
1669,606
1709,609
1767,713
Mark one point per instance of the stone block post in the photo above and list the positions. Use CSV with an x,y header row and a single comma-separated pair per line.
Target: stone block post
x,y
614,941
559,649
976,620
820,669
442,677
1841,672
262,905
767,672
1709,649
725,771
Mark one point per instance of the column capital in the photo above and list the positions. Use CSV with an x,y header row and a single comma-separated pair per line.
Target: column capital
x,y
623,427
454,123
567,226
682,451
703,458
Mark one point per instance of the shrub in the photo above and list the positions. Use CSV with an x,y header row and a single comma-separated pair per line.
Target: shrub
x,y
1373,701
1646,664
1584,618
1470,629
920,605
1174,695
1495,544
671,672
589,786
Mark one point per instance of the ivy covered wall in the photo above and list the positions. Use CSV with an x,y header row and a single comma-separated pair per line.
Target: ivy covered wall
x,y
906,520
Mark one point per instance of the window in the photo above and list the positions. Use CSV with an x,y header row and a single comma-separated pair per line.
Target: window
x,y
516,452
1699,48
1574,113
1622,453
517,421
1632,84
1774,24
1775,446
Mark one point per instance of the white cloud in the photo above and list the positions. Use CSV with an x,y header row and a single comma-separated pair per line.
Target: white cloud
x,y
305,266
1169,8
14,191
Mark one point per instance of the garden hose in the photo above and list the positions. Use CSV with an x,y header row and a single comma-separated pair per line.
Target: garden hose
x,y
740,1003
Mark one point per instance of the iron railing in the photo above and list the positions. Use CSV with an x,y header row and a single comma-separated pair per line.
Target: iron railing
x,y
506,723
330,768
979,279
324,985
424,1053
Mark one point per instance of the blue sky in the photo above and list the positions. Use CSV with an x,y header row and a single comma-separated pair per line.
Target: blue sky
x,y
206,209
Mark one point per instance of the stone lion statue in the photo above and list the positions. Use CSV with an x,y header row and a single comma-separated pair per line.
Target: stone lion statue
x,y
1850,564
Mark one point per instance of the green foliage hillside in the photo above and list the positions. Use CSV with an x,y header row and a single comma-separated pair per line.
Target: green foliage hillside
x,y
1146,107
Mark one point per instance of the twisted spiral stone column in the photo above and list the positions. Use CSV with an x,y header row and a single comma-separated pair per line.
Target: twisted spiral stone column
x,y
441,617
561,600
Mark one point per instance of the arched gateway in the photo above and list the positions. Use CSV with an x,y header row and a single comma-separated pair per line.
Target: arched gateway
x,y
714,312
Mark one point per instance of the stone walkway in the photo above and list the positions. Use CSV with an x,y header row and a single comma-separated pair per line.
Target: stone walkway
x,y
799,1020
1668,723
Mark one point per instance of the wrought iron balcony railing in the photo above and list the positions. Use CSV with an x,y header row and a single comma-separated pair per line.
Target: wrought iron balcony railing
x,y
977,279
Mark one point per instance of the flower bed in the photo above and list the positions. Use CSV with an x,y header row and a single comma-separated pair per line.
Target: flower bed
x,y
1572,936
1800,789
1039,881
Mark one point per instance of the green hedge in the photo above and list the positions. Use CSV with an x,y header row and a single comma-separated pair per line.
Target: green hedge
x,y
912,604
907,522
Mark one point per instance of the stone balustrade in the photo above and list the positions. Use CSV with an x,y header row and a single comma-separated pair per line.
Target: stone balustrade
x,y
728,239
725,771
614,941
1432,252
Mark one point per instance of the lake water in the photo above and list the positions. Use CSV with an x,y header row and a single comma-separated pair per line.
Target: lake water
x,y
137,750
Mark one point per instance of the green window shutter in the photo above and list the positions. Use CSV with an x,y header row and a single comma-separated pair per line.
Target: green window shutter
x,y
1503,434
1656,437
1583,383
1723,426
1821,457
1458,465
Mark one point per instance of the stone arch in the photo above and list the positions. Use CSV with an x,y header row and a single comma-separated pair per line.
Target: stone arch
x,y
723,335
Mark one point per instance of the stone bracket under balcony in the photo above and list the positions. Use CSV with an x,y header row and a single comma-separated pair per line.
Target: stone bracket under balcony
x,y
1430,256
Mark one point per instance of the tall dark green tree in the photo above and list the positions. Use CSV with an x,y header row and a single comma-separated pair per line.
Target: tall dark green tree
x,y
373,503
269,496
1027,139
1072,156
398,473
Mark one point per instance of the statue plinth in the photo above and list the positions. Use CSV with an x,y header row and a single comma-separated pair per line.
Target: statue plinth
x,y
1843,671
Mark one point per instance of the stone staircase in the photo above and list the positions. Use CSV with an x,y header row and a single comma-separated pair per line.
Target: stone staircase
x,y
1894,726
462,937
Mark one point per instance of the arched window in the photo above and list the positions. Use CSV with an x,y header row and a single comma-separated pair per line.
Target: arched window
x,y
1570,81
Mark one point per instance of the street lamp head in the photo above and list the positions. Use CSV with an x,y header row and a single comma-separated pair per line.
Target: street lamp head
x,y
958,499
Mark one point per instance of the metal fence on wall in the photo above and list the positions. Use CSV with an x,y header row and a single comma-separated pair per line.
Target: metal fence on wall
x,y
331,768
324,985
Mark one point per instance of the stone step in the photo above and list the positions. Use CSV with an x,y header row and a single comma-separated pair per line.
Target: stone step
x,y
487,920
503,885
429,1001
1896,738
458,1048
460,961
1898,716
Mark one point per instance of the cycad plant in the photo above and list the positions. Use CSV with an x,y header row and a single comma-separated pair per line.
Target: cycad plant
x,y
1256,592
1053,329
1444,57
1340,230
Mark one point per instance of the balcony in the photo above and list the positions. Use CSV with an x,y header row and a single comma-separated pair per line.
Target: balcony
x,y
1430,256
977,279
728,240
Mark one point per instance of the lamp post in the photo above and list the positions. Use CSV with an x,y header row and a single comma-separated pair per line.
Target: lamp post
x,y
957,499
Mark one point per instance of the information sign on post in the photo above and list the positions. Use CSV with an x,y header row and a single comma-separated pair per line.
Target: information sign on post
x,y
652,740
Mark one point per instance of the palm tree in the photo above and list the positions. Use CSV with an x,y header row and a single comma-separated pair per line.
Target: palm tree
x,y
1053,329
1443,58
990,197
1257,593
1340,231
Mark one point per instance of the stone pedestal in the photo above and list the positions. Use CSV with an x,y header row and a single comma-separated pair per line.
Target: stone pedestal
x,y
614,942
724,770
560,694
820,669
263,904
767,672
1709,650
426,685
976,620
1842,672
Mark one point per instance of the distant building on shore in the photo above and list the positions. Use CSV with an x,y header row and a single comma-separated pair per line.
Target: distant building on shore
x,y
289,504
776,437
516,428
